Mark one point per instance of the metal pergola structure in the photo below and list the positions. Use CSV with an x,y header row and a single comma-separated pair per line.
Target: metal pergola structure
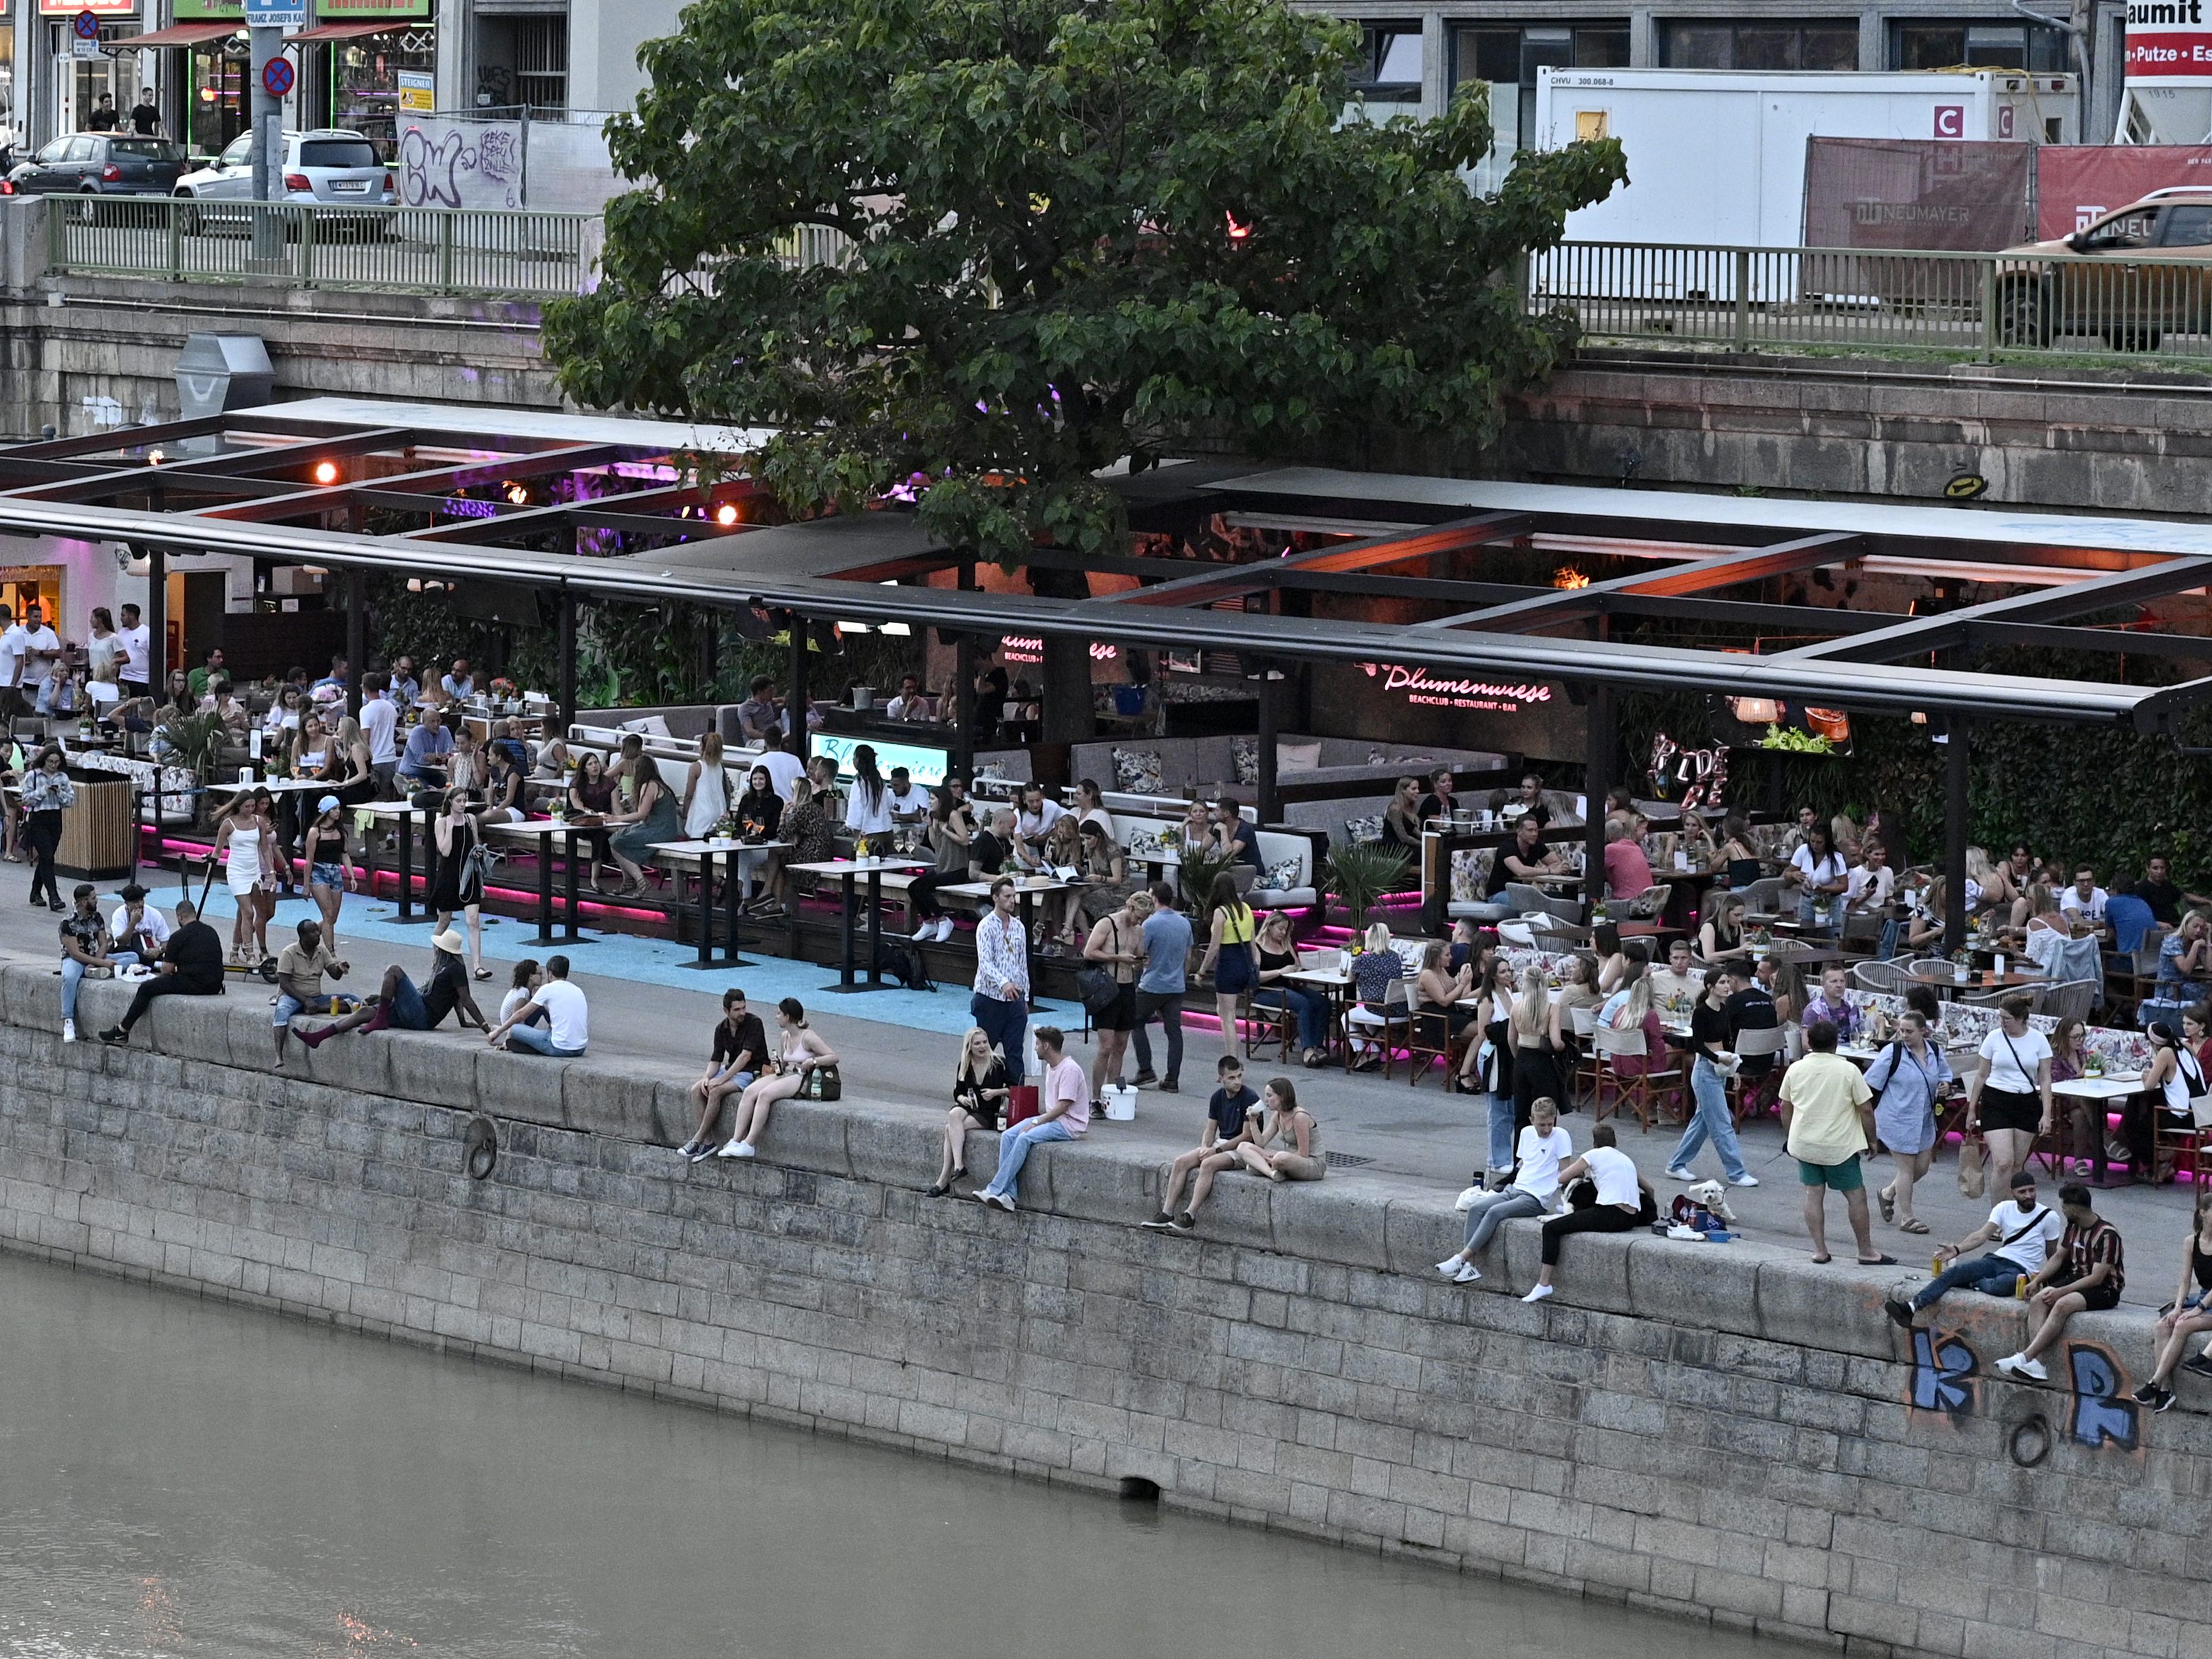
x,y
580,506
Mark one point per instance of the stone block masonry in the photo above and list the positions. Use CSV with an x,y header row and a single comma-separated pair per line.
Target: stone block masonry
x,y
1702,1431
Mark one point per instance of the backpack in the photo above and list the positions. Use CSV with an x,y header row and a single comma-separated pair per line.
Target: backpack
x,y
903,965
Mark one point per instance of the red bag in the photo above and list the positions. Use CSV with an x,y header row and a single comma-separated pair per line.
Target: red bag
x,y
1021,1103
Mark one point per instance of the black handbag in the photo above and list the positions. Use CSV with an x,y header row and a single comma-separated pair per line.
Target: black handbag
x,y
1097,989
821,1082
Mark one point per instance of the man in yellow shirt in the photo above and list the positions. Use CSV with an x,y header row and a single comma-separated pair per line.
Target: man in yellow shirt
x,y
1827,1123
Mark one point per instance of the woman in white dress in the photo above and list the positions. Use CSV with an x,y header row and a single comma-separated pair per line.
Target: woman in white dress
x,y
250,833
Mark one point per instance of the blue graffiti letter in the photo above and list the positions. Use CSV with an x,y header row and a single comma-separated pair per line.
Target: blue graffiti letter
x,y
2100,1417
1943,1374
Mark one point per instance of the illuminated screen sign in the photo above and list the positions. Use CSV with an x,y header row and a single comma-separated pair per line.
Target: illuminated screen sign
x,y
924,766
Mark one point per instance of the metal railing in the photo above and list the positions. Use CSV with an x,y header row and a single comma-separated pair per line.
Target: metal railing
x,y
1961,304
413,250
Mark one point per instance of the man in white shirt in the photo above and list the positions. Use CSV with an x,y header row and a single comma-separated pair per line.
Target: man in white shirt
x,y
41,645
1039,813
908,801
566,1030
2024,1233
784,769
12,646
402,684
1872,882
137,926
2084,903
380,721
137,655
910,704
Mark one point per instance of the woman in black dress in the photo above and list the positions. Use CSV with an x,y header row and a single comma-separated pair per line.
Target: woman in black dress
x,y
980,1091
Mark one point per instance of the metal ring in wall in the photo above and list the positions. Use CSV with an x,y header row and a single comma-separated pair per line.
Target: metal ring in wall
x,y
480,1148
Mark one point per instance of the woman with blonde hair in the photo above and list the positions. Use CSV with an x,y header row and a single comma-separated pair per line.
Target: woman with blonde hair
x,y
980,1092
706,790
1533,1032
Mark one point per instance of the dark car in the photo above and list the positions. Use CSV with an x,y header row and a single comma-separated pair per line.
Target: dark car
x,y
99,164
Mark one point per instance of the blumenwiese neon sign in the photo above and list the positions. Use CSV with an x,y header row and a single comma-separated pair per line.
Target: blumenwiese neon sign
x,y
1428,690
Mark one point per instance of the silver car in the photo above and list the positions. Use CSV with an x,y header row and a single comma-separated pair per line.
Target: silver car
x,y
328,167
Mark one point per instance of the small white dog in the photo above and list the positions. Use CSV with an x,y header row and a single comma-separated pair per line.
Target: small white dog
x,y
1714,1197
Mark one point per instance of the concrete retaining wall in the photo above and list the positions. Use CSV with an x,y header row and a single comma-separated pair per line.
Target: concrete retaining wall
x,y
1700,1430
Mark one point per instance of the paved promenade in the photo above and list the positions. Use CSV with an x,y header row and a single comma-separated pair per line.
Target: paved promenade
x,y
649,1006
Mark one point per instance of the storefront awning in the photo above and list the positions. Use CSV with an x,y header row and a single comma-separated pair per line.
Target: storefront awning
x,y
354,31
178,35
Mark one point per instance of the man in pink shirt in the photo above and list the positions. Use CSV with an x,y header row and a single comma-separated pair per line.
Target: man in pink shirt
x,y
1063,1114
1627,871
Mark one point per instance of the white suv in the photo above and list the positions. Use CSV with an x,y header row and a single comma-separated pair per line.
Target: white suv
x,y
328,167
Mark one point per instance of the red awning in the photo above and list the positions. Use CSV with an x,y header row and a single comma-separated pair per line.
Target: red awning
x,y
177,34
354,31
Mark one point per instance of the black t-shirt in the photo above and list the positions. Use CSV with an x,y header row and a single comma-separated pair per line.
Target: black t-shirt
x,y
449,977
1751,1010
1709,1026
749,1038
1432,806
1499,875
145,119
196,949
1228,1110
759,814
987,853
2164,899
103,120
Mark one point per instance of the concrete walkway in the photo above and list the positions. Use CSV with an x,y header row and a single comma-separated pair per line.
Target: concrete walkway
x,y
649,1006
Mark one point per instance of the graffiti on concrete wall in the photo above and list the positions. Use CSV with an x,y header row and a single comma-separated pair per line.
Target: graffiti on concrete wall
x,y
1947,1378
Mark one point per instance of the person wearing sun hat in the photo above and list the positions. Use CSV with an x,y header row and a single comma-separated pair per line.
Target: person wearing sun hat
x,y
399,1006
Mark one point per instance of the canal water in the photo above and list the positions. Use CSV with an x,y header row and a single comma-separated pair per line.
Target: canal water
x,y
177,1477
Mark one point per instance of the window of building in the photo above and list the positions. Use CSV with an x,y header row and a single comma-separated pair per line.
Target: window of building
x,y
1392,70
1827,43
1935,45
1509,60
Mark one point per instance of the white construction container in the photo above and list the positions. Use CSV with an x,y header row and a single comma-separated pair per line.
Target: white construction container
x,y
1718,155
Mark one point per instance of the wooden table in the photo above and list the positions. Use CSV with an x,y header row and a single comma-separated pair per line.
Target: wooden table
x,y
540,833
703,854
848,871
1944,979
405,813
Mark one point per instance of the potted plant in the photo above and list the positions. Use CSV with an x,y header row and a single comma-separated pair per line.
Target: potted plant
x,y
195,742
1359,874
1196,874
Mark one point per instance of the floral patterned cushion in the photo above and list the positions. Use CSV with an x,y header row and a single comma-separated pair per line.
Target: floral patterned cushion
x,y
1281,878
1363,831
1470,873
1244,757
1137,772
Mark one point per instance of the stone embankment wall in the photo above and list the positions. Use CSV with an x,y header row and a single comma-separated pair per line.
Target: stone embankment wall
x,y
1706,1431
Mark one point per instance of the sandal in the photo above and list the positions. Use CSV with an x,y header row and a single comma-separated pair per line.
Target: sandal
x,y
484,973
1887,1200
1912,1225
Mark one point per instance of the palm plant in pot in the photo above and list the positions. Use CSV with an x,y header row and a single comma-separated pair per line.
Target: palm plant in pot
x,y
195,742
1360,873
1196,873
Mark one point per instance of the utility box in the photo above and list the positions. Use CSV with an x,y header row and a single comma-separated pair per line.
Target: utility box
x,y
216,373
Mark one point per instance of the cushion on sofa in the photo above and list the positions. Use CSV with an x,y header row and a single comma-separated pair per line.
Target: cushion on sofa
x,y
1137,772
1298,756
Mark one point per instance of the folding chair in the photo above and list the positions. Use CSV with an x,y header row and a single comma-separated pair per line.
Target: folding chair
x,y
1610,1044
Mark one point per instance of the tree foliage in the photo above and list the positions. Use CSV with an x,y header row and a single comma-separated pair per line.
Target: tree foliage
x,y
1082,229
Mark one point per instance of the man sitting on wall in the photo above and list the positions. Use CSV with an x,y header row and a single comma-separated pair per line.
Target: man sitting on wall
x,y
1064,1113
190,966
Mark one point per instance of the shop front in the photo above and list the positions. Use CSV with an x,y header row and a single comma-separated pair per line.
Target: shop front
x,y
357,60
200,64
79,80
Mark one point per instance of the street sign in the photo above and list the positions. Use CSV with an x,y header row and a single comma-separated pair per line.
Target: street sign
x,y
275,14
86,43
277,76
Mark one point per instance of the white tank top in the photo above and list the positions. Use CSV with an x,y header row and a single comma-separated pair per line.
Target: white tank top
x,y
710,801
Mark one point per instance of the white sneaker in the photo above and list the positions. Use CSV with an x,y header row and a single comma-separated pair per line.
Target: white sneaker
x,y
1676,1172
1746,1179
2020,1364
944,929
1537,1293
737,1149
926,933
1468,1274
69,1031
1449,1266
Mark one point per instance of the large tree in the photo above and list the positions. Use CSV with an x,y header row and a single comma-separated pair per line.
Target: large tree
x,y
1079,230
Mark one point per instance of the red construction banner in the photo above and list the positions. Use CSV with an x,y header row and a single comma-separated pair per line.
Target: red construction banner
x,y
2078,183
1948,195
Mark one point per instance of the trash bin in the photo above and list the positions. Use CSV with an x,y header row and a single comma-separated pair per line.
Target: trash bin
x,y
220,372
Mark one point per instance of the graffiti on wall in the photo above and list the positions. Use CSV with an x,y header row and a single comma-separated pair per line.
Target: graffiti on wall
x,y
1947,1379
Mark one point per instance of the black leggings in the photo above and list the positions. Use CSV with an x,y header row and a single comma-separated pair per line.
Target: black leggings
x,y
1598,1219
42,832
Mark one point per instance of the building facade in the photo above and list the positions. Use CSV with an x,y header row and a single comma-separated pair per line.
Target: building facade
x,y
1419,55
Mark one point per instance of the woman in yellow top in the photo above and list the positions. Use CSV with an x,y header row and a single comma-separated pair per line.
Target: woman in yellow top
x,y
1230,955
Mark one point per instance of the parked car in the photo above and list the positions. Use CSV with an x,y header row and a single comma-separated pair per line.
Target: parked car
x,y
329,167
99,164
2136,275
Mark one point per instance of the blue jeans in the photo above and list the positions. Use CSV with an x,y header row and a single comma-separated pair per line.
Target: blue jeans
x,y
1501,1132
1709,1122
1822,910
73,975
1007,1025
1493,1210
1310,1012
1992,1275
1014,1152
538,1041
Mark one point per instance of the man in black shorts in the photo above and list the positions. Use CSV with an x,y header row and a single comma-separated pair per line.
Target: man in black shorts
x,y
2087,1271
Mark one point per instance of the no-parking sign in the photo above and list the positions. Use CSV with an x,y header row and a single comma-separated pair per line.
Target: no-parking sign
x,y
277,76
87,29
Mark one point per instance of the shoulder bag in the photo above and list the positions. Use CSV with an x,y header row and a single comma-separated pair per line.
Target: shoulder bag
x,y
821,1082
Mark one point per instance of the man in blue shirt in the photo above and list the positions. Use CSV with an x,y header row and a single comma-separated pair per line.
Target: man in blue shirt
x,y
2128,917
424,761
1160,987
1233,835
